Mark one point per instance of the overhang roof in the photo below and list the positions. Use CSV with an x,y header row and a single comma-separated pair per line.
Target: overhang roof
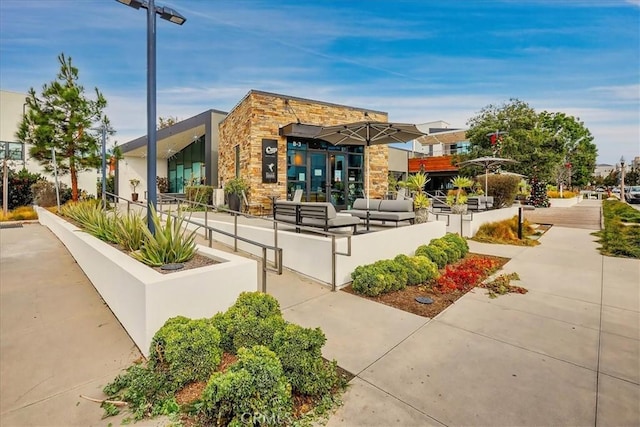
x,y
445,137
171,139
300,130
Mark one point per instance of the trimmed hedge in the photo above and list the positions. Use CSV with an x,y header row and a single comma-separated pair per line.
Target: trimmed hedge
x,y
300,352
188,349
252,320
255,384
391,275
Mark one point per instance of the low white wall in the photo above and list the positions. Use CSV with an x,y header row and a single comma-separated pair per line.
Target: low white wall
x,y
565,203
311,254
143,299
467,225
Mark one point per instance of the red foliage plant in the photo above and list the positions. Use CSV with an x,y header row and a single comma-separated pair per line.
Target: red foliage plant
x,y
466,274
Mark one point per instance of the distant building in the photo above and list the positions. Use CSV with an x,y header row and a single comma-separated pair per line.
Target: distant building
x,y
603,170
433,153
12,109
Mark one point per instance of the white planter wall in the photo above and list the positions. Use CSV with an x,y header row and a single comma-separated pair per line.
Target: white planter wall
x,y
467,225
565,203
143,299
311,254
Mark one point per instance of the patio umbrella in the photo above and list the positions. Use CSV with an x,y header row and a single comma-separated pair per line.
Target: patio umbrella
x,y
487,163
369,133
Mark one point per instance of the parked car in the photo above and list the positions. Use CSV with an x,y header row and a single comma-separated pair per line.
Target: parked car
x,y
633,194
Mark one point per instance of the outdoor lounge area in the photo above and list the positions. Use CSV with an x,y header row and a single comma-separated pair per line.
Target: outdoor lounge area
x,y
383,210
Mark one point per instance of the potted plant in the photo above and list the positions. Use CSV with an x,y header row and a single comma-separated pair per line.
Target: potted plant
x,y
234,189
457,198
134,183
415,183
163,184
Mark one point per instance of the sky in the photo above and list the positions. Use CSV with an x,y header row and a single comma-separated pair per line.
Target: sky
x,y
418,60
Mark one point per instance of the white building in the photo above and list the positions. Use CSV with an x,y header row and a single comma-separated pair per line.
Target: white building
x,y
12,108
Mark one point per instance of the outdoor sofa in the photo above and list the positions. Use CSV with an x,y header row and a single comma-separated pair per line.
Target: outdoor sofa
x,y
384,210
312,214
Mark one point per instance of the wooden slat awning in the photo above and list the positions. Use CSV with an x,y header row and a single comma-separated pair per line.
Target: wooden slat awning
x,y
432,164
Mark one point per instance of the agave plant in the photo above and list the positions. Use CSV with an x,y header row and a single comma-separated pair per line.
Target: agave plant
x,y
130,231
170,243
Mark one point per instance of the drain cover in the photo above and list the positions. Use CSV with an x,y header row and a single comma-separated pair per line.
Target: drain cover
x,y
11,225
424,300
172,266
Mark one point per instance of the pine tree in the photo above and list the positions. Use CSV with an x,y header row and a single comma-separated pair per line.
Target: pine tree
x,y
61,119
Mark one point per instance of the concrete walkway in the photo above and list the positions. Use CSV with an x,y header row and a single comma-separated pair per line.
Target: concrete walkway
x,y
57,338
566,353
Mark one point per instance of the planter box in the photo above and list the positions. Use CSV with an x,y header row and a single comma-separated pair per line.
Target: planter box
x,y
143,299
565,203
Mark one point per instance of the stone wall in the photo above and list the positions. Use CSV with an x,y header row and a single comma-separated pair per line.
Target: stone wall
x,y
260,116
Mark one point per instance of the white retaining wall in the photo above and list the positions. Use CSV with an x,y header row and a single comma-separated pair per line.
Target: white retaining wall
x,y
310,254
143,299
565,203
467,225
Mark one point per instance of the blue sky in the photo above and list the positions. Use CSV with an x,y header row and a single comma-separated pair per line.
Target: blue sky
x,y
419,60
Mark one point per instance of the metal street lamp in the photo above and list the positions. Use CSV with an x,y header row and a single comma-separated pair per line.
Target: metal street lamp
x,y
103,130
172,16
622,198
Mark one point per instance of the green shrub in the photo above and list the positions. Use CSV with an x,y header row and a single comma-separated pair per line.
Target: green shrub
x,y
199,194
380,277
300,352
188,349
459,241
420,269
434,253
170,243
148,393
19,191
618,239
427,268
503,188
254,385
450,249
252,320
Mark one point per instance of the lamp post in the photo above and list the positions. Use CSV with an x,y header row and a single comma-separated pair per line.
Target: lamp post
x,y
622,198
172,16
103,131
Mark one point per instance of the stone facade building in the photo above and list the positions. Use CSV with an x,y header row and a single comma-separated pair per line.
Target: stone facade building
x,y
267,139
262,121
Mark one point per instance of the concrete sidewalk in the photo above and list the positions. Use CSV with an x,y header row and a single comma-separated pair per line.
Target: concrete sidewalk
x,y
57,338
566,353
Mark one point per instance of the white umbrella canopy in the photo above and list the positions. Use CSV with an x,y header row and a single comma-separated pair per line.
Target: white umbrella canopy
x,y
487,163
369,133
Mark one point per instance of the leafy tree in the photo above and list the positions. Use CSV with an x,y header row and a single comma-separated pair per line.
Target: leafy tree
x,y
538,141
165,122
61,119
575,142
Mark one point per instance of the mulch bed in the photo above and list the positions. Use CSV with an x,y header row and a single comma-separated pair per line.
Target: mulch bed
x,y
406,299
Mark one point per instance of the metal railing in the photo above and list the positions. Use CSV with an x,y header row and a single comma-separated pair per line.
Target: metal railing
x,y
209,230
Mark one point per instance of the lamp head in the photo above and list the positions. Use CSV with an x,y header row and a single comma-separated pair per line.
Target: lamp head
x,y
622,160
136,4
171,15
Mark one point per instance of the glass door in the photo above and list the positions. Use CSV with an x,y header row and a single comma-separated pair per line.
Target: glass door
x,y
318,184
338,164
